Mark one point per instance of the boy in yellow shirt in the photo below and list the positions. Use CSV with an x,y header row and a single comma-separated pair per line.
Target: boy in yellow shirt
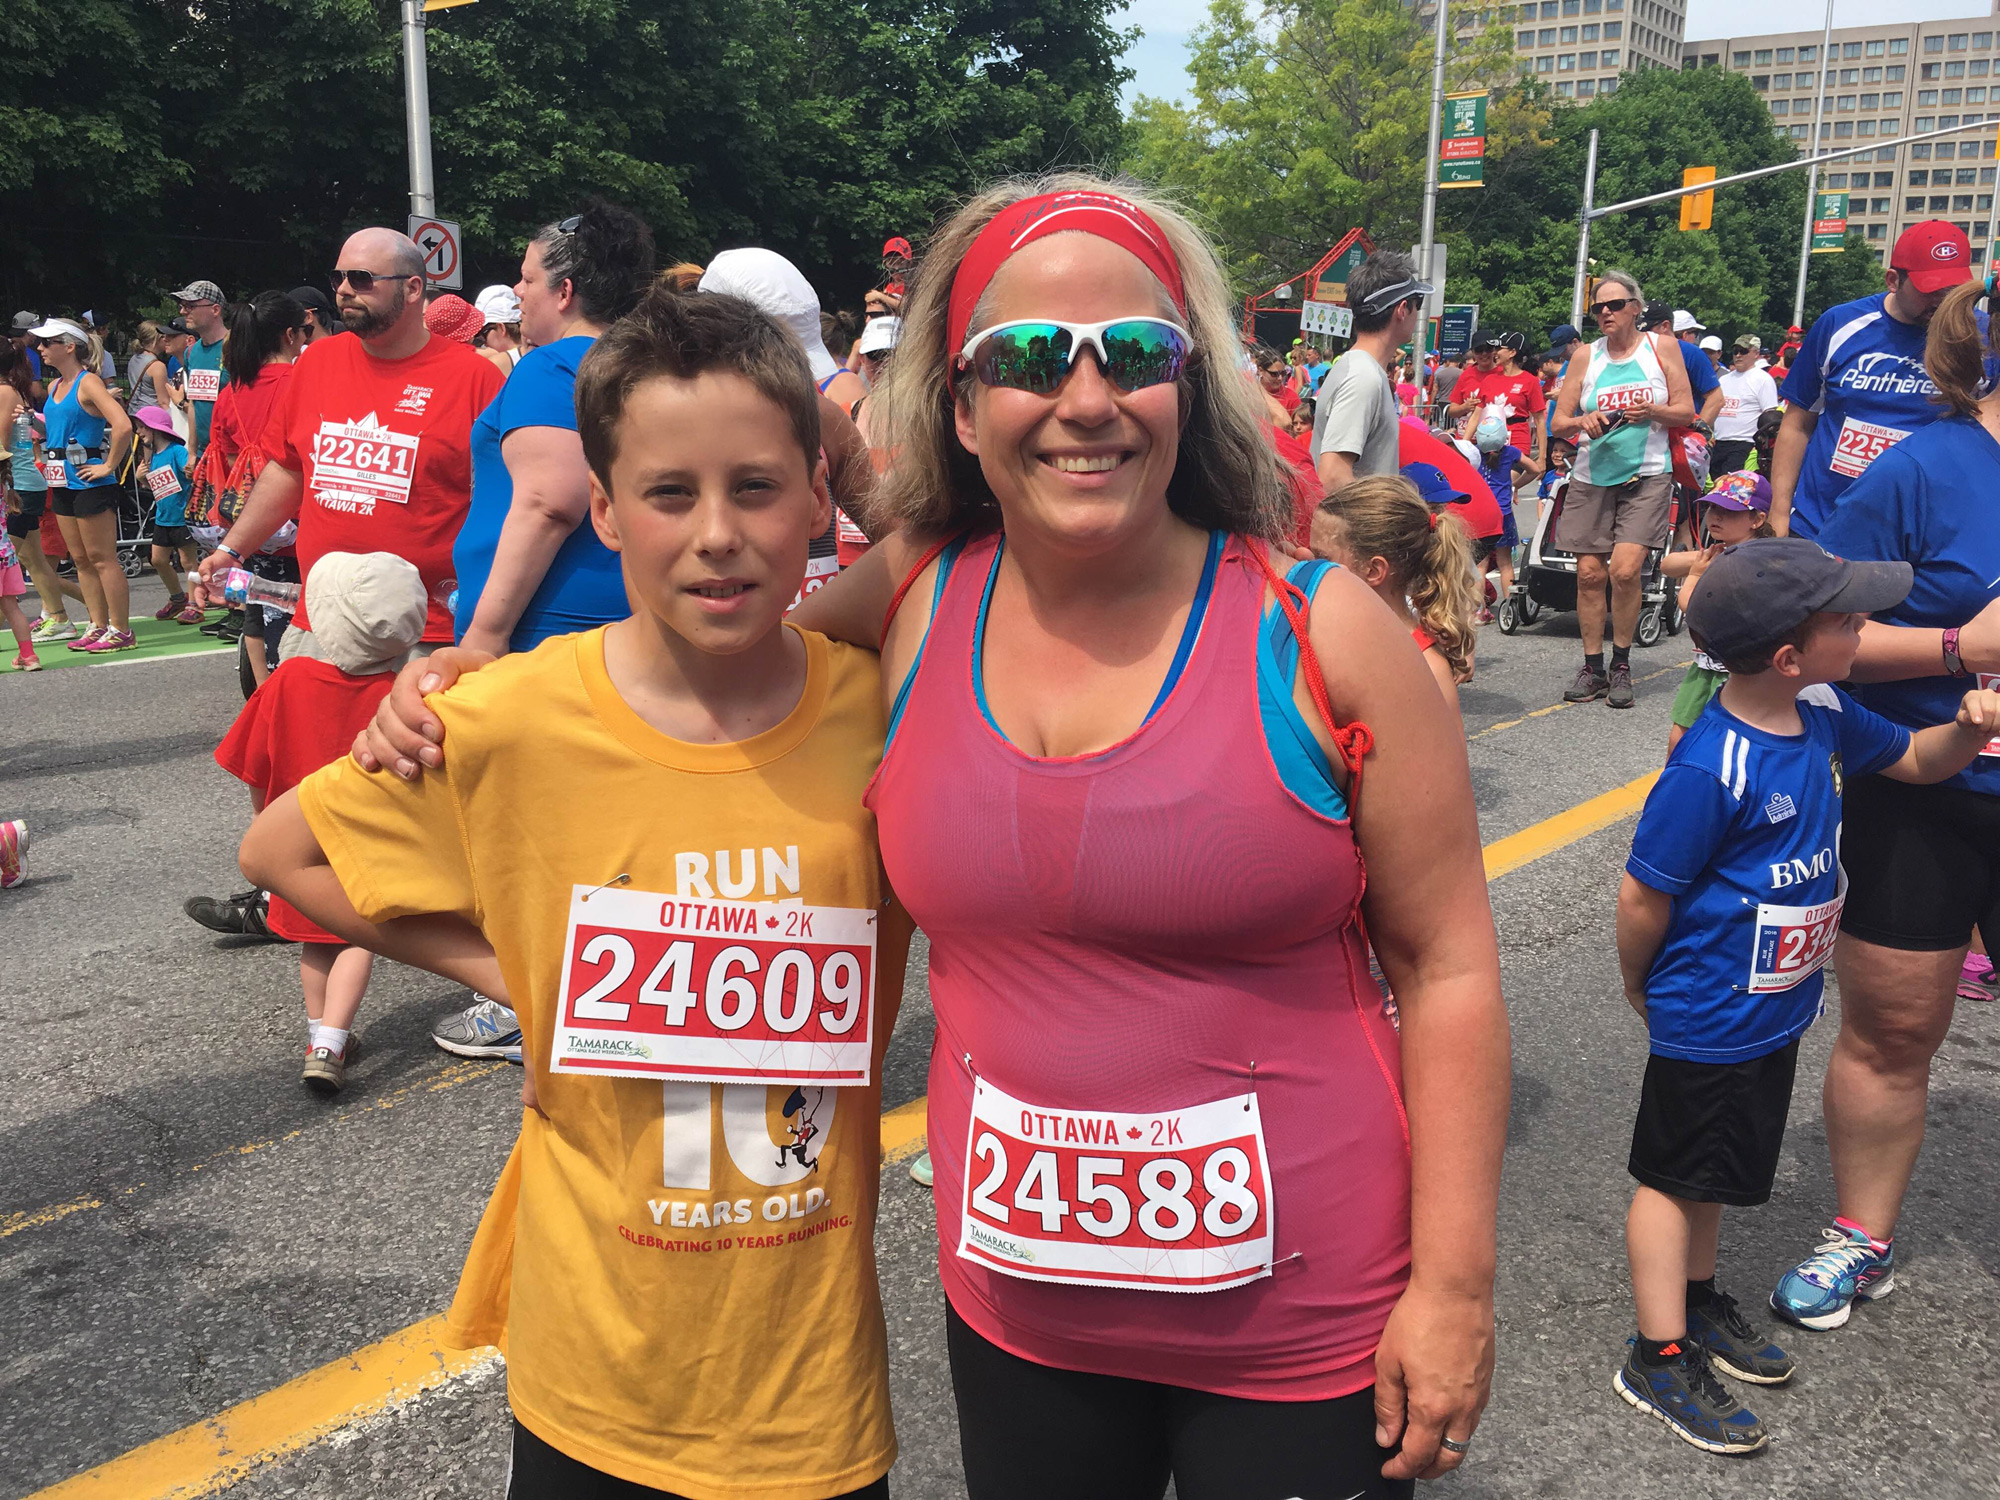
x,y
650,841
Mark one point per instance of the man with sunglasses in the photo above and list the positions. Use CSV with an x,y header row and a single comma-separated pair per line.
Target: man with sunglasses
x,y
202,377
370,443
1857,385
1355,416
1620,398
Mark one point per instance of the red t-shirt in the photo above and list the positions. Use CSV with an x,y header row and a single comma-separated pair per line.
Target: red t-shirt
x,y
1480,511
1304,476
305,716
1521,392
385,449
241,414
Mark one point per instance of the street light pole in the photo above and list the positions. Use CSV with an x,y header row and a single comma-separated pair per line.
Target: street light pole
x,y
1418,340
1812,172
1583,234
417,110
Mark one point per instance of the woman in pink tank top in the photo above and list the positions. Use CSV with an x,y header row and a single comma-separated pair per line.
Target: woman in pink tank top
x,y
1204,1212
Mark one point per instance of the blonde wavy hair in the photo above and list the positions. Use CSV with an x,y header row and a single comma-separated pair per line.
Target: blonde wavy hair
x,y
1429,558
1226,475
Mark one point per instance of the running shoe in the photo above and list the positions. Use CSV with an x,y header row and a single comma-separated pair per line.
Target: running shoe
x,y
13,854
52,628
1685,1394
486,1028
223,623
1619,694
174,605
920,1170
325,1071
1734,1347
1588,685
110,641
239,915
191,614
25,660
1819,1292
1977,980
88,639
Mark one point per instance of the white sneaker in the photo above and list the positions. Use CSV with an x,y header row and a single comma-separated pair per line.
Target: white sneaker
x,y
51,628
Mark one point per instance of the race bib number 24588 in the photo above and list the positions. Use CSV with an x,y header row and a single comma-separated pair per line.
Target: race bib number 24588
x,y
705,991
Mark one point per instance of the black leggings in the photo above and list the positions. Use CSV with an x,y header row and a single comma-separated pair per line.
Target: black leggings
x,y
1032,1430
541,1472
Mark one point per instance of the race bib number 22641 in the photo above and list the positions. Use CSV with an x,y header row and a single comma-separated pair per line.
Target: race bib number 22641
x,y
354,462
705,991
1173,1201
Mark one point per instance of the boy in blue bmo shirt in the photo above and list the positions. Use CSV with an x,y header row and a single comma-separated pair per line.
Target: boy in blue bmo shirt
x,y
1728,911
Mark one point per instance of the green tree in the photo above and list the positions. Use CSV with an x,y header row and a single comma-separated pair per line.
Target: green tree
x,y
1310,117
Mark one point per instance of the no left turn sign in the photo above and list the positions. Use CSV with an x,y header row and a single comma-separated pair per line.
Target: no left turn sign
x,y
438,239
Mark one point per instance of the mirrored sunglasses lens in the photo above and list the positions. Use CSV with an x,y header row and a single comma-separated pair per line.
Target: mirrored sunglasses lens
x,y
1027,357
1143,352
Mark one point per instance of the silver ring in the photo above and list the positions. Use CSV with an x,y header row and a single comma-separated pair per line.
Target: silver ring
x,y
1455,1445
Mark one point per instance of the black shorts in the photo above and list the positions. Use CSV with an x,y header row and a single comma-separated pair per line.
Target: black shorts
x,y
77,504
33,503
1710,1132
1727,455
171,537
1922,862
1029,1430
543,1472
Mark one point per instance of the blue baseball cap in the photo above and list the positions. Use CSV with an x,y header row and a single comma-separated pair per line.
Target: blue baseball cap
x,y
1432,484
1759,590
1563,333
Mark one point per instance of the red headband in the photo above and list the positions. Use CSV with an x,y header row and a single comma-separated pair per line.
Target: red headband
x,y
1021,224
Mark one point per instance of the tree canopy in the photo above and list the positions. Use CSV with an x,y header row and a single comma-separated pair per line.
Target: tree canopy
x,y
144,142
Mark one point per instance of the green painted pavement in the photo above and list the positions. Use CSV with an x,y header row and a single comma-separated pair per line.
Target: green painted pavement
x,y
157,638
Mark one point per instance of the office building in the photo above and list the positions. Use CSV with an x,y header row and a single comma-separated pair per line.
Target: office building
x,y
1885,82
1579,47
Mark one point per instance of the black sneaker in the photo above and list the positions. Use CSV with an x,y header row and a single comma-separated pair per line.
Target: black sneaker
x,y
1685,1394
1734,1347
240,915
1588,685
222,626
1620,683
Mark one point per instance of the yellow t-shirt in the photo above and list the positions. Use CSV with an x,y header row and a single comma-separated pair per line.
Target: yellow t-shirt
x,y
683,1273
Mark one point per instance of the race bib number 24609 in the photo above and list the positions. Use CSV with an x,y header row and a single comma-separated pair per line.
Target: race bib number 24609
x,y
705,991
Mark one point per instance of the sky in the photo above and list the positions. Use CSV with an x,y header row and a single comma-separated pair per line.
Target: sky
x,y
1160,58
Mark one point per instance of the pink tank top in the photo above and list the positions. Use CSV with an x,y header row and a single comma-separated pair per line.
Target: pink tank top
x,y
1157,1044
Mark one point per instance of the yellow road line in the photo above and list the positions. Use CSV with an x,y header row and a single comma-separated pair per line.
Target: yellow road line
x,y
1556,708
211,1455
1545,837
35,1218
208,1456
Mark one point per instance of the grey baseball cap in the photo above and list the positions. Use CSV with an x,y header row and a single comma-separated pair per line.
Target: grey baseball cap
x,y
199,291
23,321
1759,590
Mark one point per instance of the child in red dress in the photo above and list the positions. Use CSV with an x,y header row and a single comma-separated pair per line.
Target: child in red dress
x,y
367,611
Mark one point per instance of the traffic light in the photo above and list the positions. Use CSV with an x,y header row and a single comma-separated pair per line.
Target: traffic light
x,y
1697,209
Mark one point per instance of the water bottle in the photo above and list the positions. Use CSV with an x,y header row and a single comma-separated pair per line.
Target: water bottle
x,y
240,587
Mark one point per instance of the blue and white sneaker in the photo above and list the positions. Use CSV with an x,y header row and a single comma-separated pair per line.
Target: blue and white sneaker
x,y
484,1029
1685,1394
1819,1292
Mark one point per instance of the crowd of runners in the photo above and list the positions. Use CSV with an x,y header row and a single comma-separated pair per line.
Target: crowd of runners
x,y
694,645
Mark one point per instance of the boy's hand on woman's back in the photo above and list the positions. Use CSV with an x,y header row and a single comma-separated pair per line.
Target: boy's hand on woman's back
x,y
404,733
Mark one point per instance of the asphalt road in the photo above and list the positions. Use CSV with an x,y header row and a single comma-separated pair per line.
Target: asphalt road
x,y
182,1227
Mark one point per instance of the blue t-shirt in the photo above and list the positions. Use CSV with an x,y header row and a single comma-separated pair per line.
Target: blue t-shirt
x,y
1929,502
1743,831
1701,372
1862,374
1317,373
168,476
1497,469
583,587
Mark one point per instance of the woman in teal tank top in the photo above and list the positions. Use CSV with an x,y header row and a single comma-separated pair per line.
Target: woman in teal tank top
x,y
87,440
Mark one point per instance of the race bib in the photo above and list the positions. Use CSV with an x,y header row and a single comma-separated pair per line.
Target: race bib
x,y
203,385
1860,444
1990,680
705,991
356,464
165,483
1622,397
848,532
54,472
1176,1201
820,571
1793,943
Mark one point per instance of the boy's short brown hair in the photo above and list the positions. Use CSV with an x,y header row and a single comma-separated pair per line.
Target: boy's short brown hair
x,y
679,336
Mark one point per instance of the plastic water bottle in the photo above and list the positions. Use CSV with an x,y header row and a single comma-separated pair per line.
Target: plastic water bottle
x,y
240,586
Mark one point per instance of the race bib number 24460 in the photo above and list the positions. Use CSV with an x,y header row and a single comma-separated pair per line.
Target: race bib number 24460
x,y
705,991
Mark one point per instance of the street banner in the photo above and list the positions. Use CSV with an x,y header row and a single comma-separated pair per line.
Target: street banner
x,y
1829,232
1462,140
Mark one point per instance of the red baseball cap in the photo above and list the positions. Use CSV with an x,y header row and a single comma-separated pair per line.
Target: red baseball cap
x,y
1934,254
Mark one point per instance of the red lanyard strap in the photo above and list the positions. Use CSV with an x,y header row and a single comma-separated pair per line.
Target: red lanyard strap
x,y
1351,742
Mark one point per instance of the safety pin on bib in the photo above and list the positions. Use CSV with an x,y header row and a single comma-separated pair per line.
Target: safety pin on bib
x,y
614,880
